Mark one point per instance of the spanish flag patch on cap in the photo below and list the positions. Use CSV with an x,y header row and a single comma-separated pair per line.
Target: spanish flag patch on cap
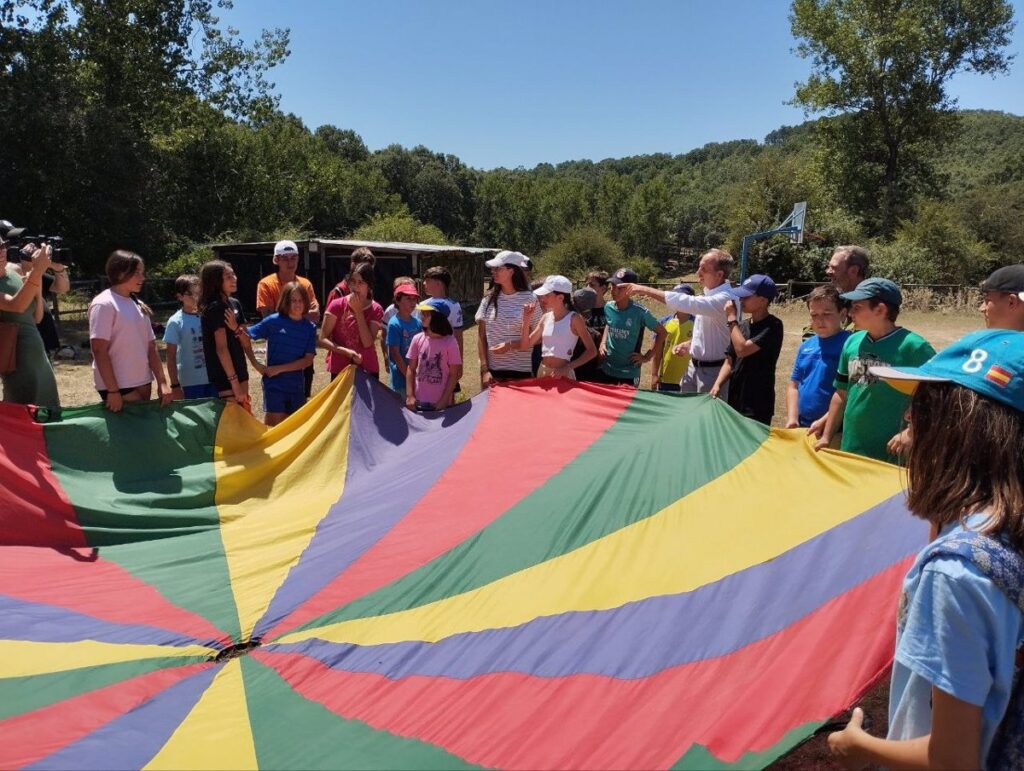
x,y
998,375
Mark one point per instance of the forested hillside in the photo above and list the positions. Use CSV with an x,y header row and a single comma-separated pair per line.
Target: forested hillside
x,y
111,138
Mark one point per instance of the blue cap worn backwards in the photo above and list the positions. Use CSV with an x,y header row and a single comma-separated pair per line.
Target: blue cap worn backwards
x,y
759,285
990,362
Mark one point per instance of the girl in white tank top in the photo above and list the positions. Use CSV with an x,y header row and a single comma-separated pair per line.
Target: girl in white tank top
x,y
558,331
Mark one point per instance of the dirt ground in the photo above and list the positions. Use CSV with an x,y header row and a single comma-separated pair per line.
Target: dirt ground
x,y
939,327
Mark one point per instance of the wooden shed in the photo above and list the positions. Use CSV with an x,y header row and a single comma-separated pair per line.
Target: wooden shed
x,y
326,261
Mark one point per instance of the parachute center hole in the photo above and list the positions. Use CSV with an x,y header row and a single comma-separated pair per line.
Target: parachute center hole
x,y
236,650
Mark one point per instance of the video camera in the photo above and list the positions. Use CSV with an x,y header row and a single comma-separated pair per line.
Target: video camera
x,y
18,238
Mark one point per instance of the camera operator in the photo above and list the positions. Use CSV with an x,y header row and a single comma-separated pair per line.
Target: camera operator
x,y
55,281
21,308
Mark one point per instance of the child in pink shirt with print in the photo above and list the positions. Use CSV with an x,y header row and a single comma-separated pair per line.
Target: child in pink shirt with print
x,y
435,364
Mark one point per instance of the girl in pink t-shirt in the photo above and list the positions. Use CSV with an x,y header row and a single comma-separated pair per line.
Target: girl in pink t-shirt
x,y
125,361
351,323
435,364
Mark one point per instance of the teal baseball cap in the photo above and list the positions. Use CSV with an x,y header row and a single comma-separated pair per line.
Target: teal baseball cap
x,y
881,289
990,362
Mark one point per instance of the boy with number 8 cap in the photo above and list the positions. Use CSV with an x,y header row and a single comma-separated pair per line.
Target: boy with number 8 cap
x,y
867,410
955,700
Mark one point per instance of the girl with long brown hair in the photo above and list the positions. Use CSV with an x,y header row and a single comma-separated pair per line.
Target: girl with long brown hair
x,y
500,321
956,699
225,357
351,323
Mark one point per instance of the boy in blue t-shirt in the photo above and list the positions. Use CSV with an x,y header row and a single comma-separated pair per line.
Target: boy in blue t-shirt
x,y
622,340
813,380
402,328
183,335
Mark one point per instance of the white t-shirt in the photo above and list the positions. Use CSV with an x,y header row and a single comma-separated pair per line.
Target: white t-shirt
x,y
504,325
120,321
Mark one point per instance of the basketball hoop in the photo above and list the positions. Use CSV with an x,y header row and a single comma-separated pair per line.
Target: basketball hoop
x,y
796,220
792,226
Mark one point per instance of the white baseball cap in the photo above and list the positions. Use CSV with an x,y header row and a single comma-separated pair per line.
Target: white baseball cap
x,y
554,284
285,247
507,258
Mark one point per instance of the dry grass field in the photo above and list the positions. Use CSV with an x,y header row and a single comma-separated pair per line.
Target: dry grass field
x,y
939,327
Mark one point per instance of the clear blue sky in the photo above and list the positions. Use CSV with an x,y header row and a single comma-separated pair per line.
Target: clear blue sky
x,y
502,83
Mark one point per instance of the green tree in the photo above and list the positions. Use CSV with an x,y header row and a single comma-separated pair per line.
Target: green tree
x,y
343,142
508,212
995,215
648,218
437,188
399,226
581,249
91,85
954,254
764,199
880,69
613,194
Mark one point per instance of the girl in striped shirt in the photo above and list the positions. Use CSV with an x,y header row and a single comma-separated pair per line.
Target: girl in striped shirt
x,y
500,321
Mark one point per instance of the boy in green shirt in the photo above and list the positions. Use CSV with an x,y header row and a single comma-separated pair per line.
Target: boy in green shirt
x,y
868,410
624,334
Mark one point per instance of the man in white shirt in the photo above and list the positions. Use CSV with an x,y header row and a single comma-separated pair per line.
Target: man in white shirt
x,y
710,326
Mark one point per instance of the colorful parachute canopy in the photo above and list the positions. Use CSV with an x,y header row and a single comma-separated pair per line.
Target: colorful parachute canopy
x,y
563,576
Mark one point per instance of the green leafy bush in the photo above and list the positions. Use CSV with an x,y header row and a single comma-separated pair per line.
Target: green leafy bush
x,y
400,226
581,249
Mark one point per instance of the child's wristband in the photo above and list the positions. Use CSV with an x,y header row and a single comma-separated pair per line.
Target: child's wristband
x,y
232,378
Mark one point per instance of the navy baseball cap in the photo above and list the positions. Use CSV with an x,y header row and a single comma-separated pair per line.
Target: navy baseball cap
x,y
624,276
1009,278
759,285
990,362
683,289
881,289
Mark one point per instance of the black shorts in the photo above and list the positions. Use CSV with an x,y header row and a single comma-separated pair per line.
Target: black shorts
x,y
103,392
603,378
510,374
